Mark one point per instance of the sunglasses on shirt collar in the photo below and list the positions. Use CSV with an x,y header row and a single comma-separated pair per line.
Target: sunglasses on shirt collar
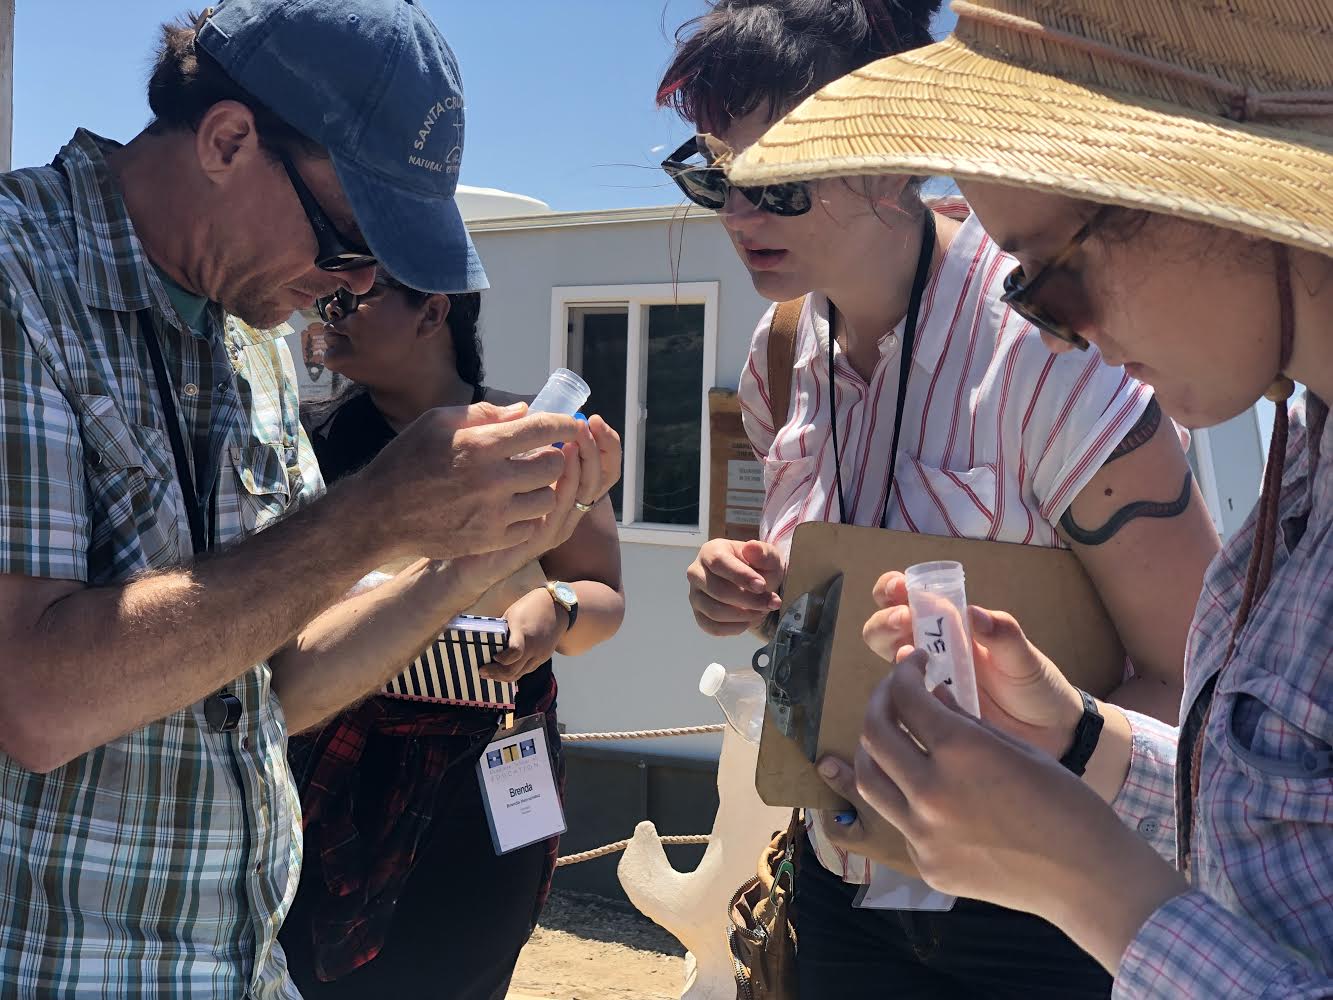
x,y
707,186
334,252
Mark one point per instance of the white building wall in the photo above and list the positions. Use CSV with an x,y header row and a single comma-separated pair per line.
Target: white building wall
x,y
647,676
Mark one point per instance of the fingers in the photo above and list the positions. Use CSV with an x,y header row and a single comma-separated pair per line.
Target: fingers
x,y
535,430
590,466
887,631
481,414
897,752
1008,649
891,590
766,560
719,629
722,560
722,613
880,792
609,449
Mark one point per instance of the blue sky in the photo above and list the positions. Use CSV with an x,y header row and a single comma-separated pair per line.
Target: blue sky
x,y
560,92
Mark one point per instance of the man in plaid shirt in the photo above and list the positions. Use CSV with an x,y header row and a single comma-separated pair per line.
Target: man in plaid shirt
x,y
149,829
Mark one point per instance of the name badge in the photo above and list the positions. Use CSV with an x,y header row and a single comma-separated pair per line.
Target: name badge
x,y
518,786
891,890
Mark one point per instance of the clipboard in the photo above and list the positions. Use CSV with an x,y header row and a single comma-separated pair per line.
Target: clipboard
x,y
1046,589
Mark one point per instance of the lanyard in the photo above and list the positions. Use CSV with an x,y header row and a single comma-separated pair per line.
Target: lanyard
x,y
202,535
904,370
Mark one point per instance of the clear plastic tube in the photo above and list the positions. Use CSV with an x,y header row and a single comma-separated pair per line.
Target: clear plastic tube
x,y
564,392
741,695
937,595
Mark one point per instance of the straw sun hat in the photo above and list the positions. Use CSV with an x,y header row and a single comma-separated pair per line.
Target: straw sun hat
x,y
1215,110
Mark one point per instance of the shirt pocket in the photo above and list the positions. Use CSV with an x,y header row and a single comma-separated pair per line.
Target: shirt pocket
x,y
135,505
265,485
935,501
1286,769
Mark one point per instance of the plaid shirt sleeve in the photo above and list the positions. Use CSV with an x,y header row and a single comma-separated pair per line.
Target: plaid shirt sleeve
x,y
1195,947
44,519
1147,799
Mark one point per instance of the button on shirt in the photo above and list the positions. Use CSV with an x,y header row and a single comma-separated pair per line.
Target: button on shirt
x,y
999,435
1259,920
162,863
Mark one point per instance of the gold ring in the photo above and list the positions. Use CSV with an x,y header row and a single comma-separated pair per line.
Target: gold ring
x,y
584,507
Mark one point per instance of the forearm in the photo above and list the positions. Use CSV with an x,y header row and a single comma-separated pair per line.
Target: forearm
x,y
1110,901
601,611
356,646
100,662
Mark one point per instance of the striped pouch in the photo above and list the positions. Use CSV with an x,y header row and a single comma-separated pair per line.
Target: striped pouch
x,y
447,673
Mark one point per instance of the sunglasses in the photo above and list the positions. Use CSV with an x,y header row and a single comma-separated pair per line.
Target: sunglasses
x,y
334,252
707,186
343,302
1019,292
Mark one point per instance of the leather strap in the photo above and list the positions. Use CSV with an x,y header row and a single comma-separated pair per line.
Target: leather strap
x,y
1087,734
781,354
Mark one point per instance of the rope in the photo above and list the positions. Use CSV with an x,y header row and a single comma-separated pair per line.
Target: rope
x,y
643,734
620,845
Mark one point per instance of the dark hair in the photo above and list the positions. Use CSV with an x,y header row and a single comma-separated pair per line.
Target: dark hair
x,y
464,313
749,54
187,81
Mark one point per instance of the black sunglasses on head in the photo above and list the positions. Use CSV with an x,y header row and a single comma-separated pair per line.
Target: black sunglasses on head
x,y
334,252
707,186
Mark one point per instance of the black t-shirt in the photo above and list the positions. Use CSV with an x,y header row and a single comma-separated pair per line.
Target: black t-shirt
x,y
345,442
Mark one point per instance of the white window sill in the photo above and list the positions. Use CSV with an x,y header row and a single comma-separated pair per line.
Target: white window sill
x,y
683,536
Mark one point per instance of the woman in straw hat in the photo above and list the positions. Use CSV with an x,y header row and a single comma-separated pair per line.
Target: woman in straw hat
x,y
1162,173
999,439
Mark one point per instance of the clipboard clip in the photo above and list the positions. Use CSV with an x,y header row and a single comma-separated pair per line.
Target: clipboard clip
x,y
795,664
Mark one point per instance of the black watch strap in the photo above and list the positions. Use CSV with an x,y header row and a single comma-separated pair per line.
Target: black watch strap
x,y
1086,736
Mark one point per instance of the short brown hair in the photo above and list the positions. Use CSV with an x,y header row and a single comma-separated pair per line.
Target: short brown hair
x,y
745,55
187,81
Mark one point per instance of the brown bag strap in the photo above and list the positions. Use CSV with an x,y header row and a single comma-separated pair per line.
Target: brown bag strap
x,y
781,352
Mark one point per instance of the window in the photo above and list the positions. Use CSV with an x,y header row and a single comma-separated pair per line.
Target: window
x,y
649,354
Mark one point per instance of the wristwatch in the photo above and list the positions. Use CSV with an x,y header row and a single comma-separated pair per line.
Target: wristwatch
x,y
564,596
1087,734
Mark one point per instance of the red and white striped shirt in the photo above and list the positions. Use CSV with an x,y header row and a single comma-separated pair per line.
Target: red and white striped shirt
x,y
999,434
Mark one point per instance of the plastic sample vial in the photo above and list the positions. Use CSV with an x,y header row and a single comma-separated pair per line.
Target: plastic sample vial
x,y
564,392
741,695
937,595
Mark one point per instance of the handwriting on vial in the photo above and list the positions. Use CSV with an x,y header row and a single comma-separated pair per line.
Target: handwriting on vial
x,y
938,646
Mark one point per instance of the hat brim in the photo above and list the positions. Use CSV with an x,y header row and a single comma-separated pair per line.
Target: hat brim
x,y
420,240
953,110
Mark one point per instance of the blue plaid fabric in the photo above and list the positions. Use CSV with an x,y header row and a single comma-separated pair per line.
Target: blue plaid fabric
x,y
161,864
1259,920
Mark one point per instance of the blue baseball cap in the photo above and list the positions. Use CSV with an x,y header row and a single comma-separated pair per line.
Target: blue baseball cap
x,y
374,83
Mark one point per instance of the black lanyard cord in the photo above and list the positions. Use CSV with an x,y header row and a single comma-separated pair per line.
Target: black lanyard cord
x,y
904,371
201,532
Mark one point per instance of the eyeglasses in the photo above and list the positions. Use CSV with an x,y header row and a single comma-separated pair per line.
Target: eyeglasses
x,y
1019,292
707,186
345,301
334,251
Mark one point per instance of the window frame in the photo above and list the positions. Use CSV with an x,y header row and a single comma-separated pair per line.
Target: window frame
x,y
636,298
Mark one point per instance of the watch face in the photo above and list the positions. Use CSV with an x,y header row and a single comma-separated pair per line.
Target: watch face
x,y
566,594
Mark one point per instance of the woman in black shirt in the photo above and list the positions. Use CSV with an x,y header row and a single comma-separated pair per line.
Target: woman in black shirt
x,y
402,890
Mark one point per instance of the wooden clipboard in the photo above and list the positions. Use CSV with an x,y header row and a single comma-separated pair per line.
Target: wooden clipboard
x,y
1045,589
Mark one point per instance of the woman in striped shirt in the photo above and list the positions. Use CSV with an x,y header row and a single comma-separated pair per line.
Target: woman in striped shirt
x,y
998,439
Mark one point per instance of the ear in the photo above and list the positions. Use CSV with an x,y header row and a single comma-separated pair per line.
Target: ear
x,y
434,316
226,141
887,190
